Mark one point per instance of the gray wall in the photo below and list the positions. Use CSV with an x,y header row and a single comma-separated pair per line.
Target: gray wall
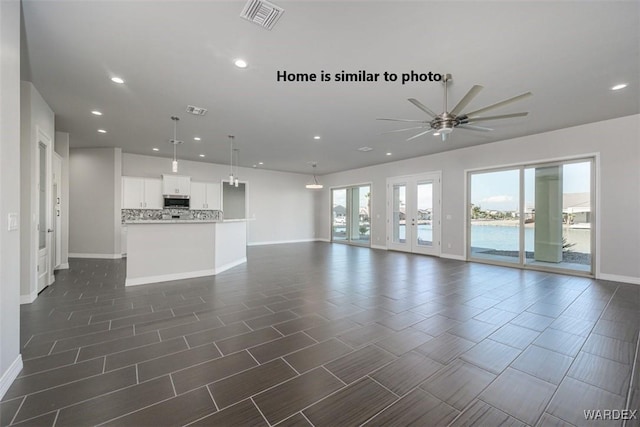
x,y
279,207
94,202
10,361
234,201
62,148
35,115
616,141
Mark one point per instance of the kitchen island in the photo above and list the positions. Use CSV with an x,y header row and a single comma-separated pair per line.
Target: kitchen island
x,y
163,250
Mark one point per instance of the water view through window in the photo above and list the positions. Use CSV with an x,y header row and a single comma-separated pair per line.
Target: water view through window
x,y
549,225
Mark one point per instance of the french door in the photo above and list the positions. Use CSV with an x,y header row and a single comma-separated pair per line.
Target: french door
x,y
413,212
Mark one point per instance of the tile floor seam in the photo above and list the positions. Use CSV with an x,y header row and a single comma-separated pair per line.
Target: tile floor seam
x,y
55,419
184,338
173,386
137,374
244,322
260,411
305,417
634,366
381,385
18,410
288,364
212,398
555,392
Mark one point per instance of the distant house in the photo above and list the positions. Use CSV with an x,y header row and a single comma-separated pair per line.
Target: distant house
x,y
576,208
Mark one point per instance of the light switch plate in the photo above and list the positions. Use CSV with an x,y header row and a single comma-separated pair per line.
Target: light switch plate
x,y
13,221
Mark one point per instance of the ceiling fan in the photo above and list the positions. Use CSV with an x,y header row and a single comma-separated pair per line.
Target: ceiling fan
x,y
444,123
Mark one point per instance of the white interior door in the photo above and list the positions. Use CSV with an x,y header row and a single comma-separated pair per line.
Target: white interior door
x,y
413,212
44,211
57,211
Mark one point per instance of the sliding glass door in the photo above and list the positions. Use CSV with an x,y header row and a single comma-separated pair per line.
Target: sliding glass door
x,y
538,216
350,220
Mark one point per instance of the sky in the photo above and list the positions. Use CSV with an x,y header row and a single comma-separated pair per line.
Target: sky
x,y
499,190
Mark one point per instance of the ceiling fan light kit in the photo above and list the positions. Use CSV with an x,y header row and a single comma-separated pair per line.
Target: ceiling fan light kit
x,y
444,123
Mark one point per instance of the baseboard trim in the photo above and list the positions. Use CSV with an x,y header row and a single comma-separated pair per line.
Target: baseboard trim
x,y
28,299
451,256
619,278
280,242
64,266
10,375
230,265
383,248
168,277
98,256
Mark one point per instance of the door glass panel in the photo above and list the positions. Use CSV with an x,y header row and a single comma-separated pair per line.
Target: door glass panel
x,y
42,197
350,220
362,199
399,213
339,214
424,214
558,216
495,223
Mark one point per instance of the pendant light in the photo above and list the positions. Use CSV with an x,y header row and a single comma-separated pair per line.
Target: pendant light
x,y
231,137
237,151
315,185
175,143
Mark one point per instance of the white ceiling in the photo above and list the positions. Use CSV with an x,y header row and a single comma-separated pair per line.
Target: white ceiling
x,y
174,53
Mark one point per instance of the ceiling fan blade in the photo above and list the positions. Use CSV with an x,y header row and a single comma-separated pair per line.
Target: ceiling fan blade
x,y
499,104
484,119
421,106
475,90
406,120
420,134
472,127
402,130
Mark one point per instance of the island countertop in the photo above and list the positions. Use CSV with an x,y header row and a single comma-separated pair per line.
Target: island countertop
x,y
180,221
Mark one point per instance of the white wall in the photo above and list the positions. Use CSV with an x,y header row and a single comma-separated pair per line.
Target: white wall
x,y
617,142
94,202
10,360
62,148
36,116
279,207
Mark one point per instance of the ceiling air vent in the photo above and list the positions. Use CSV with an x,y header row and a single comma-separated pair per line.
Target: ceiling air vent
x,y
365,149
262,12
196,110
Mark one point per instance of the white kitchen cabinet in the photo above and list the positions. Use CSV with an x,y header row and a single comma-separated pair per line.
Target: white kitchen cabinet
x,y
176,185
141,193
153,193
205,196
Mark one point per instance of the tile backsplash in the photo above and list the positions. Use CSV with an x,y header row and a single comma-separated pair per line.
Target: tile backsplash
x,y
133,214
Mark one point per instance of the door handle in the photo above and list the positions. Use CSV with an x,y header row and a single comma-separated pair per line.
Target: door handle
x,y
49,230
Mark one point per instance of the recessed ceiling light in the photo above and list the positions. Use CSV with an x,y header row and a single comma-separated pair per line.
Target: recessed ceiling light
x,y
96,113
240,63
316,137
102,131
436,134
196,138
388,154
155,149
201,155
619,86
261,163
117,80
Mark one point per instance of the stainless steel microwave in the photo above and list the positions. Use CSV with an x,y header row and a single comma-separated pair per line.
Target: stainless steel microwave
x,y
176,202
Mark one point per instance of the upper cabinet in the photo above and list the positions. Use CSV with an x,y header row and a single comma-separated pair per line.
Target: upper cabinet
x,y
205,196
176,185
141,193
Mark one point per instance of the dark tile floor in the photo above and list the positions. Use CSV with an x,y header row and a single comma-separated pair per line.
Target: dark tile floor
x,y
327,335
